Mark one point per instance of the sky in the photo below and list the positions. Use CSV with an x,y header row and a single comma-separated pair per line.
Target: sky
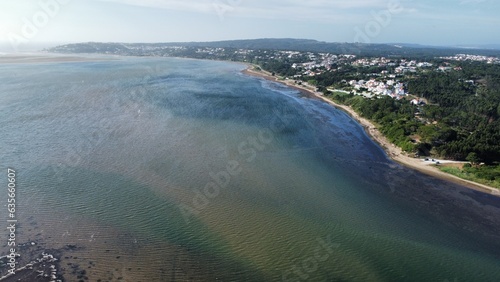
x,y
429,22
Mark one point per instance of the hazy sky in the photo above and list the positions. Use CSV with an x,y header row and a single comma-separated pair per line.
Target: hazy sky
x,y
443,22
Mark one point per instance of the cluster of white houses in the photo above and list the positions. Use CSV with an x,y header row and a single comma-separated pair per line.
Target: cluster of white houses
x,y
373,87
475,58
318,65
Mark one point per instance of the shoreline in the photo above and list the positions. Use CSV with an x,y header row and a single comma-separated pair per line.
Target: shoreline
x,y
393,152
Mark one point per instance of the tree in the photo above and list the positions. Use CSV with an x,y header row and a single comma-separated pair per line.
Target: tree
x,y
473,158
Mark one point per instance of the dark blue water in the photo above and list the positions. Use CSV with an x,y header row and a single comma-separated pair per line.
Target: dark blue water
x,y
170,170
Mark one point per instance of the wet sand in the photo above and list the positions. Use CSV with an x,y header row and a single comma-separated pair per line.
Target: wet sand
x,y
394,152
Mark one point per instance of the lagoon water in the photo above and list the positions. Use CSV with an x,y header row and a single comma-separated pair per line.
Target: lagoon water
x,y
172,170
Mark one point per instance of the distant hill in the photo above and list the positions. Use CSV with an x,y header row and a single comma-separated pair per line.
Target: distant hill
x,y
304,45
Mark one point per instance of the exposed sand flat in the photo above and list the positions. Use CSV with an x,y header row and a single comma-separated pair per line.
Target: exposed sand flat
x,y
391,150
45,58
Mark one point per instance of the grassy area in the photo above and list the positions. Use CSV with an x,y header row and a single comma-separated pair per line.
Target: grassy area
x,y
488,175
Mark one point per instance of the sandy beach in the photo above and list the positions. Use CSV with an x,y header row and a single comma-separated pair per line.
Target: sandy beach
x,y
394,152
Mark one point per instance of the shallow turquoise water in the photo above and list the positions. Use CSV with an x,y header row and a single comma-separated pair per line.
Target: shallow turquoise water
x,y
248,179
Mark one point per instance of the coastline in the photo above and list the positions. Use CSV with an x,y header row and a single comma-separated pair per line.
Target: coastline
x,y
392,151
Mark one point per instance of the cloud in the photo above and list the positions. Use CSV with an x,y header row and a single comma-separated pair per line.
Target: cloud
x,y
204,5
280,9
328,4
201,6
465,2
